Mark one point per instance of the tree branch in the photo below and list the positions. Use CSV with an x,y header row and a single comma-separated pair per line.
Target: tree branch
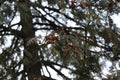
x,y
59,72
9,31
65,28
50,64
53,63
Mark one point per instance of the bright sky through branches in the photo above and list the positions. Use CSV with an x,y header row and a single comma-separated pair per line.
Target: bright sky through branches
x,y
116,19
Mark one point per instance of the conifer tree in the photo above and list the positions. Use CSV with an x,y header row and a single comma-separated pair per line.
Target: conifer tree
x,y
78,36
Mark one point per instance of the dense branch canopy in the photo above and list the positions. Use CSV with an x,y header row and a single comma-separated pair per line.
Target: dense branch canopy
x,y
73,35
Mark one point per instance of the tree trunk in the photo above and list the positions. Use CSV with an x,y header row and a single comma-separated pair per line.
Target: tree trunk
x,y
31,64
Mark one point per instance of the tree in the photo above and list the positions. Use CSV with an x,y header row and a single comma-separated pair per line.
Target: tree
x,y
79,36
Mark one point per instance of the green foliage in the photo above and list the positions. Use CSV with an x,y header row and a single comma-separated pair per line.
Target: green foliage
x,y
75,35
53,2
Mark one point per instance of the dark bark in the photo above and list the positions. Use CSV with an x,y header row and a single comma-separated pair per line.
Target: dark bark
x,y
32,67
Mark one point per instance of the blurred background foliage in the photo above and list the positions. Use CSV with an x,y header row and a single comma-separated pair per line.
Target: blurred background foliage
x,y
76,35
